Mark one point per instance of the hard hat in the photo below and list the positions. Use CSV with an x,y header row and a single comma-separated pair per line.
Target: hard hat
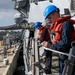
x,y
49,9
37,24
18,18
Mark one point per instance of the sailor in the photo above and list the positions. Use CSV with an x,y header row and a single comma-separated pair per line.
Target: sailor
x,y
63,33
45,36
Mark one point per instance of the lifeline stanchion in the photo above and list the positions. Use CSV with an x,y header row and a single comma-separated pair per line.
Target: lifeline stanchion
x,y
70,62
37,58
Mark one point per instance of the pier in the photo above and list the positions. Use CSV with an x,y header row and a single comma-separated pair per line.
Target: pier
x,y
8,62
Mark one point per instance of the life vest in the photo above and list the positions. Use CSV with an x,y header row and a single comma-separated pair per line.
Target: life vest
x,y
56,28
47,36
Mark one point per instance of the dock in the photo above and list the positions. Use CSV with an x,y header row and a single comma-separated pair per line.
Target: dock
x,y
9,68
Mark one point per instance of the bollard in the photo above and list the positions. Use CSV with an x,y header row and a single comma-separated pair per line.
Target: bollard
x,y
5,61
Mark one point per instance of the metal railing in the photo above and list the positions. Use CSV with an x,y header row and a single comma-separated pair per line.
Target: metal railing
x,y
68,63
33,56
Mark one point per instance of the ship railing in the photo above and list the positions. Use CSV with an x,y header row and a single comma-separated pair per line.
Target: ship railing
x,y
69,63
27,46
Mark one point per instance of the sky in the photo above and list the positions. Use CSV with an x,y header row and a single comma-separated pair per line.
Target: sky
x,y
7,12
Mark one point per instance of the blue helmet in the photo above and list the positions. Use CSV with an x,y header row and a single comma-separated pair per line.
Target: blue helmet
x,y
49,9
37,24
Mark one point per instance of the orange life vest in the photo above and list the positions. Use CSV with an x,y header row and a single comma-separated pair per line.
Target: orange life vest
x,y
56,28
47,36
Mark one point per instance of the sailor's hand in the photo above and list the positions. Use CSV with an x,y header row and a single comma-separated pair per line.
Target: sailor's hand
x,y
38,41
46,44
